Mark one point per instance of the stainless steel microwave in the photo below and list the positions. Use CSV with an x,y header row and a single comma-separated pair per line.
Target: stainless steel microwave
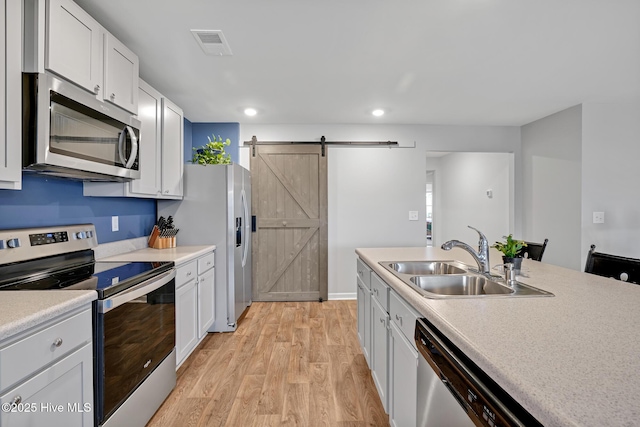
x,y
68,132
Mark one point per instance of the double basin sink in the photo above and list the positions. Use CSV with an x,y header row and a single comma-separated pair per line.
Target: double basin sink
x,y
453,279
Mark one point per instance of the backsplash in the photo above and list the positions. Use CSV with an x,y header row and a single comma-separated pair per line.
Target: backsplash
x,y
45,201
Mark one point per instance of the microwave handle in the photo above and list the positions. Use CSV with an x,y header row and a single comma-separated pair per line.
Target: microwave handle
x,y
134,147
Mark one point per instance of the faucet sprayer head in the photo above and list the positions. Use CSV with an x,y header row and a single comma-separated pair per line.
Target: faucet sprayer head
x,y
447,245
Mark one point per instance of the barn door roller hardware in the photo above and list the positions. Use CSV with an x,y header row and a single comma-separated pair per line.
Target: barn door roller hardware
x,y
323,142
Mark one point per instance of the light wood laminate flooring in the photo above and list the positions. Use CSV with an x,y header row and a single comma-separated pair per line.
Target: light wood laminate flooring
x,y
288,363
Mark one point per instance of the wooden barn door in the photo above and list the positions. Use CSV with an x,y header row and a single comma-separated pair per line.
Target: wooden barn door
x,y
289,200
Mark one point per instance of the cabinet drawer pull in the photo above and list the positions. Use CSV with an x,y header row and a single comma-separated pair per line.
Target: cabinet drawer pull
x,y
113,96
57,342
188,274
96,89
209,263
360,272
16,400
382,320
399,319
375,291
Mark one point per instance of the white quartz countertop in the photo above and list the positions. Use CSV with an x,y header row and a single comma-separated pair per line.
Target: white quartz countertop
x,y
178,255
21,310
570,360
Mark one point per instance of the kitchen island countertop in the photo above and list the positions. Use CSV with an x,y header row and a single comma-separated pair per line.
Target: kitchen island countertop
x,y
570,360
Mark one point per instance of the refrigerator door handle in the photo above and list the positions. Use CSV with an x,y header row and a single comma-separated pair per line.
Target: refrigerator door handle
x,y
245,207
238,232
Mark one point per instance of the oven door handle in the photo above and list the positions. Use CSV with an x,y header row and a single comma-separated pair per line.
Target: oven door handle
x,y
106,305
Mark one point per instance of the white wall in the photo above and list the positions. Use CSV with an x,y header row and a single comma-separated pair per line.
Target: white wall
x,y
611,178
371,190
461,184
551,171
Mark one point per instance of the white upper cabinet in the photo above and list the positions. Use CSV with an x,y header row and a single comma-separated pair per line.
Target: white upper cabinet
x,y
74,45
172,148
150,116
120,74
62,38
10,96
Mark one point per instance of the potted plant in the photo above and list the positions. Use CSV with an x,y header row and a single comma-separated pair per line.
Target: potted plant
x,y
212,153
510,249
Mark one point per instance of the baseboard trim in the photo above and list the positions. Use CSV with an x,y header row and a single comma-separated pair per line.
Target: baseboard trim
x,y
346,295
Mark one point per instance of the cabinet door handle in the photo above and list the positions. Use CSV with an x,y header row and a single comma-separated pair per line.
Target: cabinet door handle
x,y
382,320
399,319
188,274
375,291
113,96
96,89
57,342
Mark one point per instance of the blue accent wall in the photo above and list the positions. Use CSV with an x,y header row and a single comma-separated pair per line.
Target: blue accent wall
x,y
45,201
188,132
201,131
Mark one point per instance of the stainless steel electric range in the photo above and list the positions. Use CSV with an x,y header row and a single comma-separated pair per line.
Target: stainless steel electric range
x,y
133,318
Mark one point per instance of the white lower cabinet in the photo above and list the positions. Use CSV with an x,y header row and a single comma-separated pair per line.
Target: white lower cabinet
x,y
364,320
195,302
206,294
51,383
403,380
386,326
380,350
363,281
186,319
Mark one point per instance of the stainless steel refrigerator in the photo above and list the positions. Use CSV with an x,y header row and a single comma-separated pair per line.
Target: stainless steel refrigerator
x,y
216,209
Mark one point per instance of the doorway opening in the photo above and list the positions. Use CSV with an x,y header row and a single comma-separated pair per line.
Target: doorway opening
x,y
430,199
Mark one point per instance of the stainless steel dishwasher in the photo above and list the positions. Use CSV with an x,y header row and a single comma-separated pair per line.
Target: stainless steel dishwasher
x,y
454,392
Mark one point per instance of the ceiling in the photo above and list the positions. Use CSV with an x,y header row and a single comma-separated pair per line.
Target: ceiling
x,y
472,62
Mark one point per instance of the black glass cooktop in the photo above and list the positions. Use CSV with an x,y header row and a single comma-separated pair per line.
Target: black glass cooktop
x,y
79,272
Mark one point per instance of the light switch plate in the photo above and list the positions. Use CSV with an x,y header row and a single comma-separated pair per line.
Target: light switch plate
x,y
598,217
413,215
115,226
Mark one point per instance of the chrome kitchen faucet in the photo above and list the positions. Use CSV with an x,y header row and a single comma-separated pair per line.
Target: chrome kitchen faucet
x,y
481,256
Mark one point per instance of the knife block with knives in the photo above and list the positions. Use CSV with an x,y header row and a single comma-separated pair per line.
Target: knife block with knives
x,y
163,235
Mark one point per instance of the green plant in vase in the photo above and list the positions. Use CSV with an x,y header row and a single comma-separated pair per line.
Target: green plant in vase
x,y
212,153
510,249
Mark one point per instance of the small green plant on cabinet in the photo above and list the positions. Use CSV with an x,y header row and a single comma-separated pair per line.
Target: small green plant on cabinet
x,y
212,153
510,246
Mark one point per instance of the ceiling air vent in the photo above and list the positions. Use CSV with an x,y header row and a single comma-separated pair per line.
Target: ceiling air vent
x,y
212,42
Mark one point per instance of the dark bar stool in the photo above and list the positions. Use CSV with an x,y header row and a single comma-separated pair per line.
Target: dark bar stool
x,y
533,250
614,266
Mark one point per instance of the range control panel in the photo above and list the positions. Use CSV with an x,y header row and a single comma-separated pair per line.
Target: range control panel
x,y
30,243
48,238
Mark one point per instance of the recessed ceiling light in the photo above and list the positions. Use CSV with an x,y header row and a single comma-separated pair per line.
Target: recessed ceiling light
x,y
250,111
377,113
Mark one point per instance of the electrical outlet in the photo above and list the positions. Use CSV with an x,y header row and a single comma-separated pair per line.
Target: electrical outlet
x,y
598,217
115,226
413,215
